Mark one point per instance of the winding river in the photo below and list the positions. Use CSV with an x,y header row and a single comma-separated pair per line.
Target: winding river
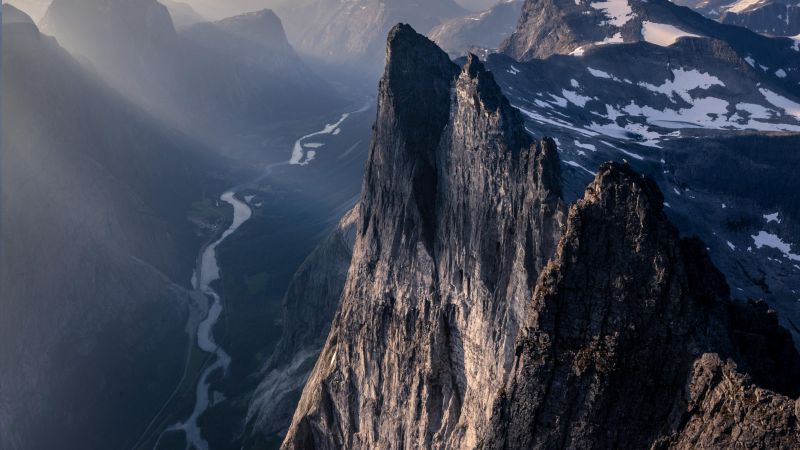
x,y
207,272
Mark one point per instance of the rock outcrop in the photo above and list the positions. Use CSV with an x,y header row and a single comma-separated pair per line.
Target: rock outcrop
x,y
459,213
632,341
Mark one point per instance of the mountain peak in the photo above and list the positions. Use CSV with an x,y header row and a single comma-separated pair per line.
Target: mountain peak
x,y
460,211
629,310
619,181
13,15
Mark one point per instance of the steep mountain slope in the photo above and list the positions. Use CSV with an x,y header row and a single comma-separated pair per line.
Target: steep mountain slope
x,y
131,43
251,75
309,306
631,341
96,252
485,30
564,27
352,32
766,17
13,15
183,15
770,17
215,81
460,211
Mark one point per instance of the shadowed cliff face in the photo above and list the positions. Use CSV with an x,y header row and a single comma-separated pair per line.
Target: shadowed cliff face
x,y
631,341
460,210
308,309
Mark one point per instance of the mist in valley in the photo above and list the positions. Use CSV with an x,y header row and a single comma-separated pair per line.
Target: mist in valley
x,y
182,183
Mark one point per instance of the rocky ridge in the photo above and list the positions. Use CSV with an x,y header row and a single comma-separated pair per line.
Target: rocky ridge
x,y
649,352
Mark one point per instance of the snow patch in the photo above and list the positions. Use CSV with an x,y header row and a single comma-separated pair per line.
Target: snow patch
x,y
574,164
575,98
741,5
684,81
764,239
784,103
663,34
618,12
600,74
586,146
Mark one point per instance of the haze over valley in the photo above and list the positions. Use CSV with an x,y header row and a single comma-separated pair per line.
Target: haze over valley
x,y
361,224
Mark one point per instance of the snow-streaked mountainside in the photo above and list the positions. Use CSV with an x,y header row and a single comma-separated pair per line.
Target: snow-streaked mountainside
x,y
693,102
770,17
480,32
566,26
687,85
773,18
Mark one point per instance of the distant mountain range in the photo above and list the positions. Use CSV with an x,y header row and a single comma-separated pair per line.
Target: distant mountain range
x,y
482,32
213,81
352,32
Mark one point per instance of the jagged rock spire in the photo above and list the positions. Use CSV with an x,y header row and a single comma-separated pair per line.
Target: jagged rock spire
x,y
459,212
